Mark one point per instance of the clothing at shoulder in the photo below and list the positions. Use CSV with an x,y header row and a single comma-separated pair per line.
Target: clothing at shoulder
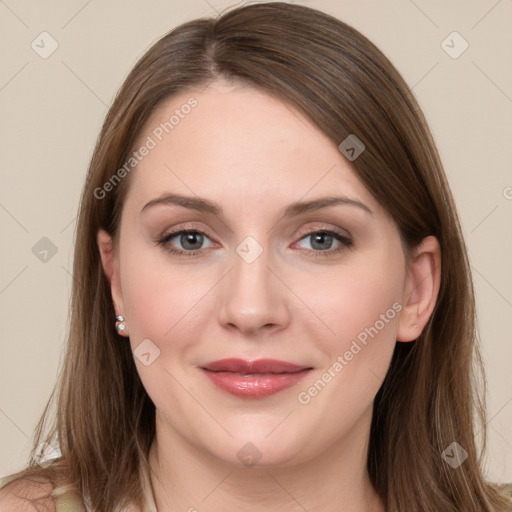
x,y
70,502
67,503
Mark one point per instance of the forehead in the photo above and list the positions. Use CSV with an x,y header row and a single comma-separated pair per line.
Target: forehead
x,y
230,141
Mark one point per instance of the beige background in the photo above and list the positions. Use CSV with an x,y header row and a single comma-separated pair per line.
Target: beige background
x,y
51,111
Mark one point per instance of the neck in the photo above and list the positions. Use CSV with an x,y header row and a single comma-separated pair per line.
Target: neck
x,y
184,478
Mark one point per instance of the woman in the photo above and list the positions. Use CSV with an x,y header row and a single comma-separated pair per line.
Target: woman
x,y
257,369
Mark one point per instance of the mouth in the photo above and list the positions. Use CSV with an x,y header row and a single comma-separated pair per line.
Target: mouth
x,y
254,379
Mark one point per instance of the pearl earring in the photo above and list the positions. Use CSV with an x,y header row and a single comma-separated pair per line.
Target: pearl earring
x,y
120,325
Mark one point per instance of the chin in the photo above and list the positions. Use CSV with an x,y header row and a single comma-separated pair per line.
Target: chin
x,y
257,450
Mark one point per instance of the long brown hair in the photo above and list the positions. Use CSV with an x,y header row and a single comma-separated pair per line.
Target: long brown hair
x,y
433,393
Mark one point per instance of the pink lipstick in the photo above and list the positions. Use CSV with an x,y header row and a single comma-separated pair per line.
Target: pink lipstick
x,y
254,379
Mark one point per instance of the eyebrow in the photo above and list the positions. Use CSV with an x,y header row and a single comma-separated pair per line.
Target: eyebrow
x,y
293,209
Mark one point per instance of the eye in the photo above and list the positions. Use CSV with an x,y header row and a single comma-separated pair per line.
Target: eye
x,y
322,241
190,239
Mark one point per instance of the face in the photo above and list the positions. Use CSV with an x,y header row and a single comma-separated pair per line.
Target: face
x,y
321,288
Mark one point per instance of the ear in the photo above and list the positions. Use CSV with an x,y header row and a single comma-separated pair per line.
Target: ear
x,y
110,264
421,289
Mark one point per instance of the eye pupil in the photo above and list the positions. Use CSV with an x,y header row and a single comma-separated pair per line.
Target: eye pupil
x,y
318,238
191,237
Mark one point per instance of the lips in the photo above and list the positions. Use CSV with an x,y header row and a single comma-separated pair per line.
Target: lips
x,y
254,379
259,366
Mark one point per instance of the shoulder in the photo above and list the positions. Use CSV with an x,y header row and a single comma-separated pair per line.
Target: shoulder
x,y
26,495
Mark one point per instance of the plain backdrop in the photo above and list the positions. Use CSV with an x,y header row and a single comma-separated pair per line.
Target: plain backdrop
x,y
52,107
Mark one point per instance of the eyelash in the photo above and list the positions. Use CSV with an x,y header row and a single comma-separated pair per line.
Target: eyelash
x,y
345,242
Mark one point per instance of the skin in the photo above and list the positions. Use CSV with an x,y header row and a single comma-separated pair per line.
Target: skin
x,y
254,155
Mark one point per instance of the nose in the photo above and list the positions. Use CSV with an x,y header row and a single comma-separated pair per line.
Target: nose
x,y
254,297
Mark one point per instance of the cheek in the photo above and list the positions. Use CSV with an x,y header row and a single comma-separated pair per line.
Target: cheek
x,y
368,304
164,302
360,305
153,294
362,310
357,298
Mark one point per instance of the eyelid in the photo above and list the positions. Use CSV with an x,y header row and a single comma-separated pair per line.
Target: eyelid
x,y
345,241
188,226
322,226
174,231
